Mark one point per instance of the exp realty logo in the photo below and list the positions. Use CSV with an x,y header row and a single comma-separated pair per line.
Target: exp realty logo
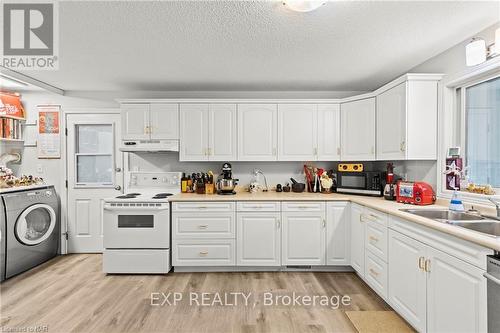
x,y
30,39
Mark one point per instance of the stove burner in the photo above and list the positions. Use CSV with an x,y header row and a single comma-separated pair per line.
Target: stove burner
x,y
133,194
162,195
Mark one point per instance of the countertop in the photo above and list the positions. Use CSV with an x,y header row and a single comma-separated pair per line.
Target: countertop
x,y
21,188
386,206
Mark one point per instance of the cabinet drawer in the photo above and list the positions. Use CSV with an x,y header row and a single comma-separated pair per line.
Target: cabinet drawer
x,y
258,206
202,206
302,206
376,274
376,216
211,252
203,225
376,237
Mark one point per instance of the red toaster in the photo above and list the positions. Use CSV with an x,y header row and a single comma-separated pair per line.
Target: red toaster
x,y
415,193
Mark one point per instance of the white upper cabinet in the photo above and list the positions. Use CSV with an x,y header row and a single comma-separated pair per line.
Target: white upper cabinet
x,y
144,121
222,135
407,119
164,121
328,132
297,128
257,132
391,123
358,130
208,132
135,121
194,132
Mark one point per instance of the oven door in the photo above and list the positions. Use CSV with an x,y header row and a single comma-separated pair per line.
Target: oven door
x,y
136,227
351,180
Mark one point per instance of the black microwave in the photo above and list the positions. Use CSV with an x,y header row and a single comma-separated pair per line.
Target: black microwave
x,y
363,183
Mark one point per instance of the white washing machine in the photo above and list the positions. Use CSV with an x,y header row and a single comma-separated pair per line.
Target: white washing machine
x,y
32,228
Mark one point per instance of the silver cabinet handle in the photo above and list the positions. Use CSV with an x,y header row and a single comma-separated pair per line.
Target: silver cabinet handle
x,y
373,238
202,226
402,146
421,261
373,272
203,253
324,223
278,223
492,278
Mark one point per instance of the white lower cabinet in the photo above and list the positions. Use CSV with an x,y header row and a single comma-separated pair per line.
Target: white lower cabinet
x,y
204,252
434,291
258,239
376,273
407,280
337,233
303,238
456,295
357,239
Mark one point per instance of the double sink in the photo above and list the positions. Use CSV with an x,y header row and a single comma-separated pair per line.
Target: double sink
x,y
481,223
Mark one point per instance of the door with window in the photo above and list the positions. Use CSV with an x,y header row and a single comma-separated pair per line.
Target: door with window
x,y
94,173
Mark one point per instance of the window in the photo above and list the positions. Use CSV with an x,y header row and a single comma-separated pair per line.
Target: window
x,y
482,132
94,154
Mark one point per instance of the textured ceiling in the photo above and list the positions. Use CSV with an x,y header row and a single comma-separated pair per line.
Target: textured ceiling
x,y
233,45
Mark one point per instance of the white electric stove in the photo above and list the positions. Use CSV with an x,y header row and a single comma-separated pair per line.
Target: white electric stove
x,y
136,225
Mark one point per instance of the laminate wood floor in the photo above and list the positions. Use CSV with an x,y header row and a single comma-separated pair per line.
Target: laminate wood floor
x,y
71,294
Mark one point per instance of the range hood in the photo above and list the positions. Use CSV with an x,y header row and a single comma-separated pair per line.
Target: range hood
x,y
149,145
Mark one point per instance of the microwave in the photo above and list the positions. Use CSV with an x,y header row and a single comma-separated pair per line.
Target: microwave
x,y
363,183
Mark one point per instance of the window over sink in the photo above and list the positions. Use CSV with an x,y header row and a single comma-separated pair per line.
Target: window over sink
x,y
480,105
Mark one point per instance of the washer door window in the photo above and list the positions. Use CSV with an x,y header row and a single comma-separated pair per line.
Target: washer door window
x,y
35,224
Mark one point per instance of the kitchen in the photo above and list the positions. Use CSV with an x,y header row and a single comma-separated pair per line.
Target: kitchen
x,y
351,186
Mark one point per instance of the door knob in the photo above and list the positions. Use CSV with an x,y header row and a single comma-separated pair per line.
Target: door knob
x,y
118,187
118,169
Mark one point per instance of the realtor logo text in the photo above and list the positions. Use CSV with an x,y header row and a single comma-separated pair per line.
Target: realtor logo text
x,y
247,299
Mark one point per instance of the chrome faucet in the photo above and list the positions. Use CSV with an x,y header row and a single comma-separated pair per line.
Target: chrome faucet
x,y
497,205
256,172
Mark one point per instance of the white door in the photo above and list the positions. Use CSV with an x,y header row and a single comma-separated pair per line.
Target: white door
x,y
391,123
357,239
456,295
329,132
303,238
194,132
164,121
258,239
358,130
257,132
222,132
337,233
94,173
407,279
297,132
135,121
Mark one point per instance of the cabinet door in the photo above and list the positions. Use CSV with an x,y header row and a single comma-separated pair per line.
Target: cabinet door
x,y
357,239
297,132
358,130
407,281
456,295
303,238
257,132
194,132
337,233
259,239
222,132
328,132
164,121
135,121
391,123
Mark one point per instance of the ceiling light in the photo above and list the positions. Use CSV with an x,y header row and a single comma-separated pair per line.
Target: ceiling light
x,y
475,52
303,5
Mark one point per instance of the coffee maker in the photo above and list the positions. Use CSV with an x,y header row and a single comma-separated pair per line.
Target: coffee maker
x,y
225,181
390,183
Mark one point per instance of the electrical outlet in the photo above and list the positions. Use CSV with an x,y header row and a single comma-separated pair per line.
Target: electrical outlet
x,y
39,168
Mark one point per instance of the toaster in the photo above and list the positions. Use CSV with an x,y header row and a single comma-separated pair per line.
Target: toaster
x,y
415,193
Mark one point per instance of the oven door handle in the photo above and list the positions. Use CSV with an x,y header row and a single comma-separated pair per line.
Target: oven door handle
x,y
133,208
492,278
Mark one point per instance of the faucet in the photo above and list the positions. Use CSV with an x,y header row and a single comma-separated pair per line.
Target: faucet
x,y
256,172
497,205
